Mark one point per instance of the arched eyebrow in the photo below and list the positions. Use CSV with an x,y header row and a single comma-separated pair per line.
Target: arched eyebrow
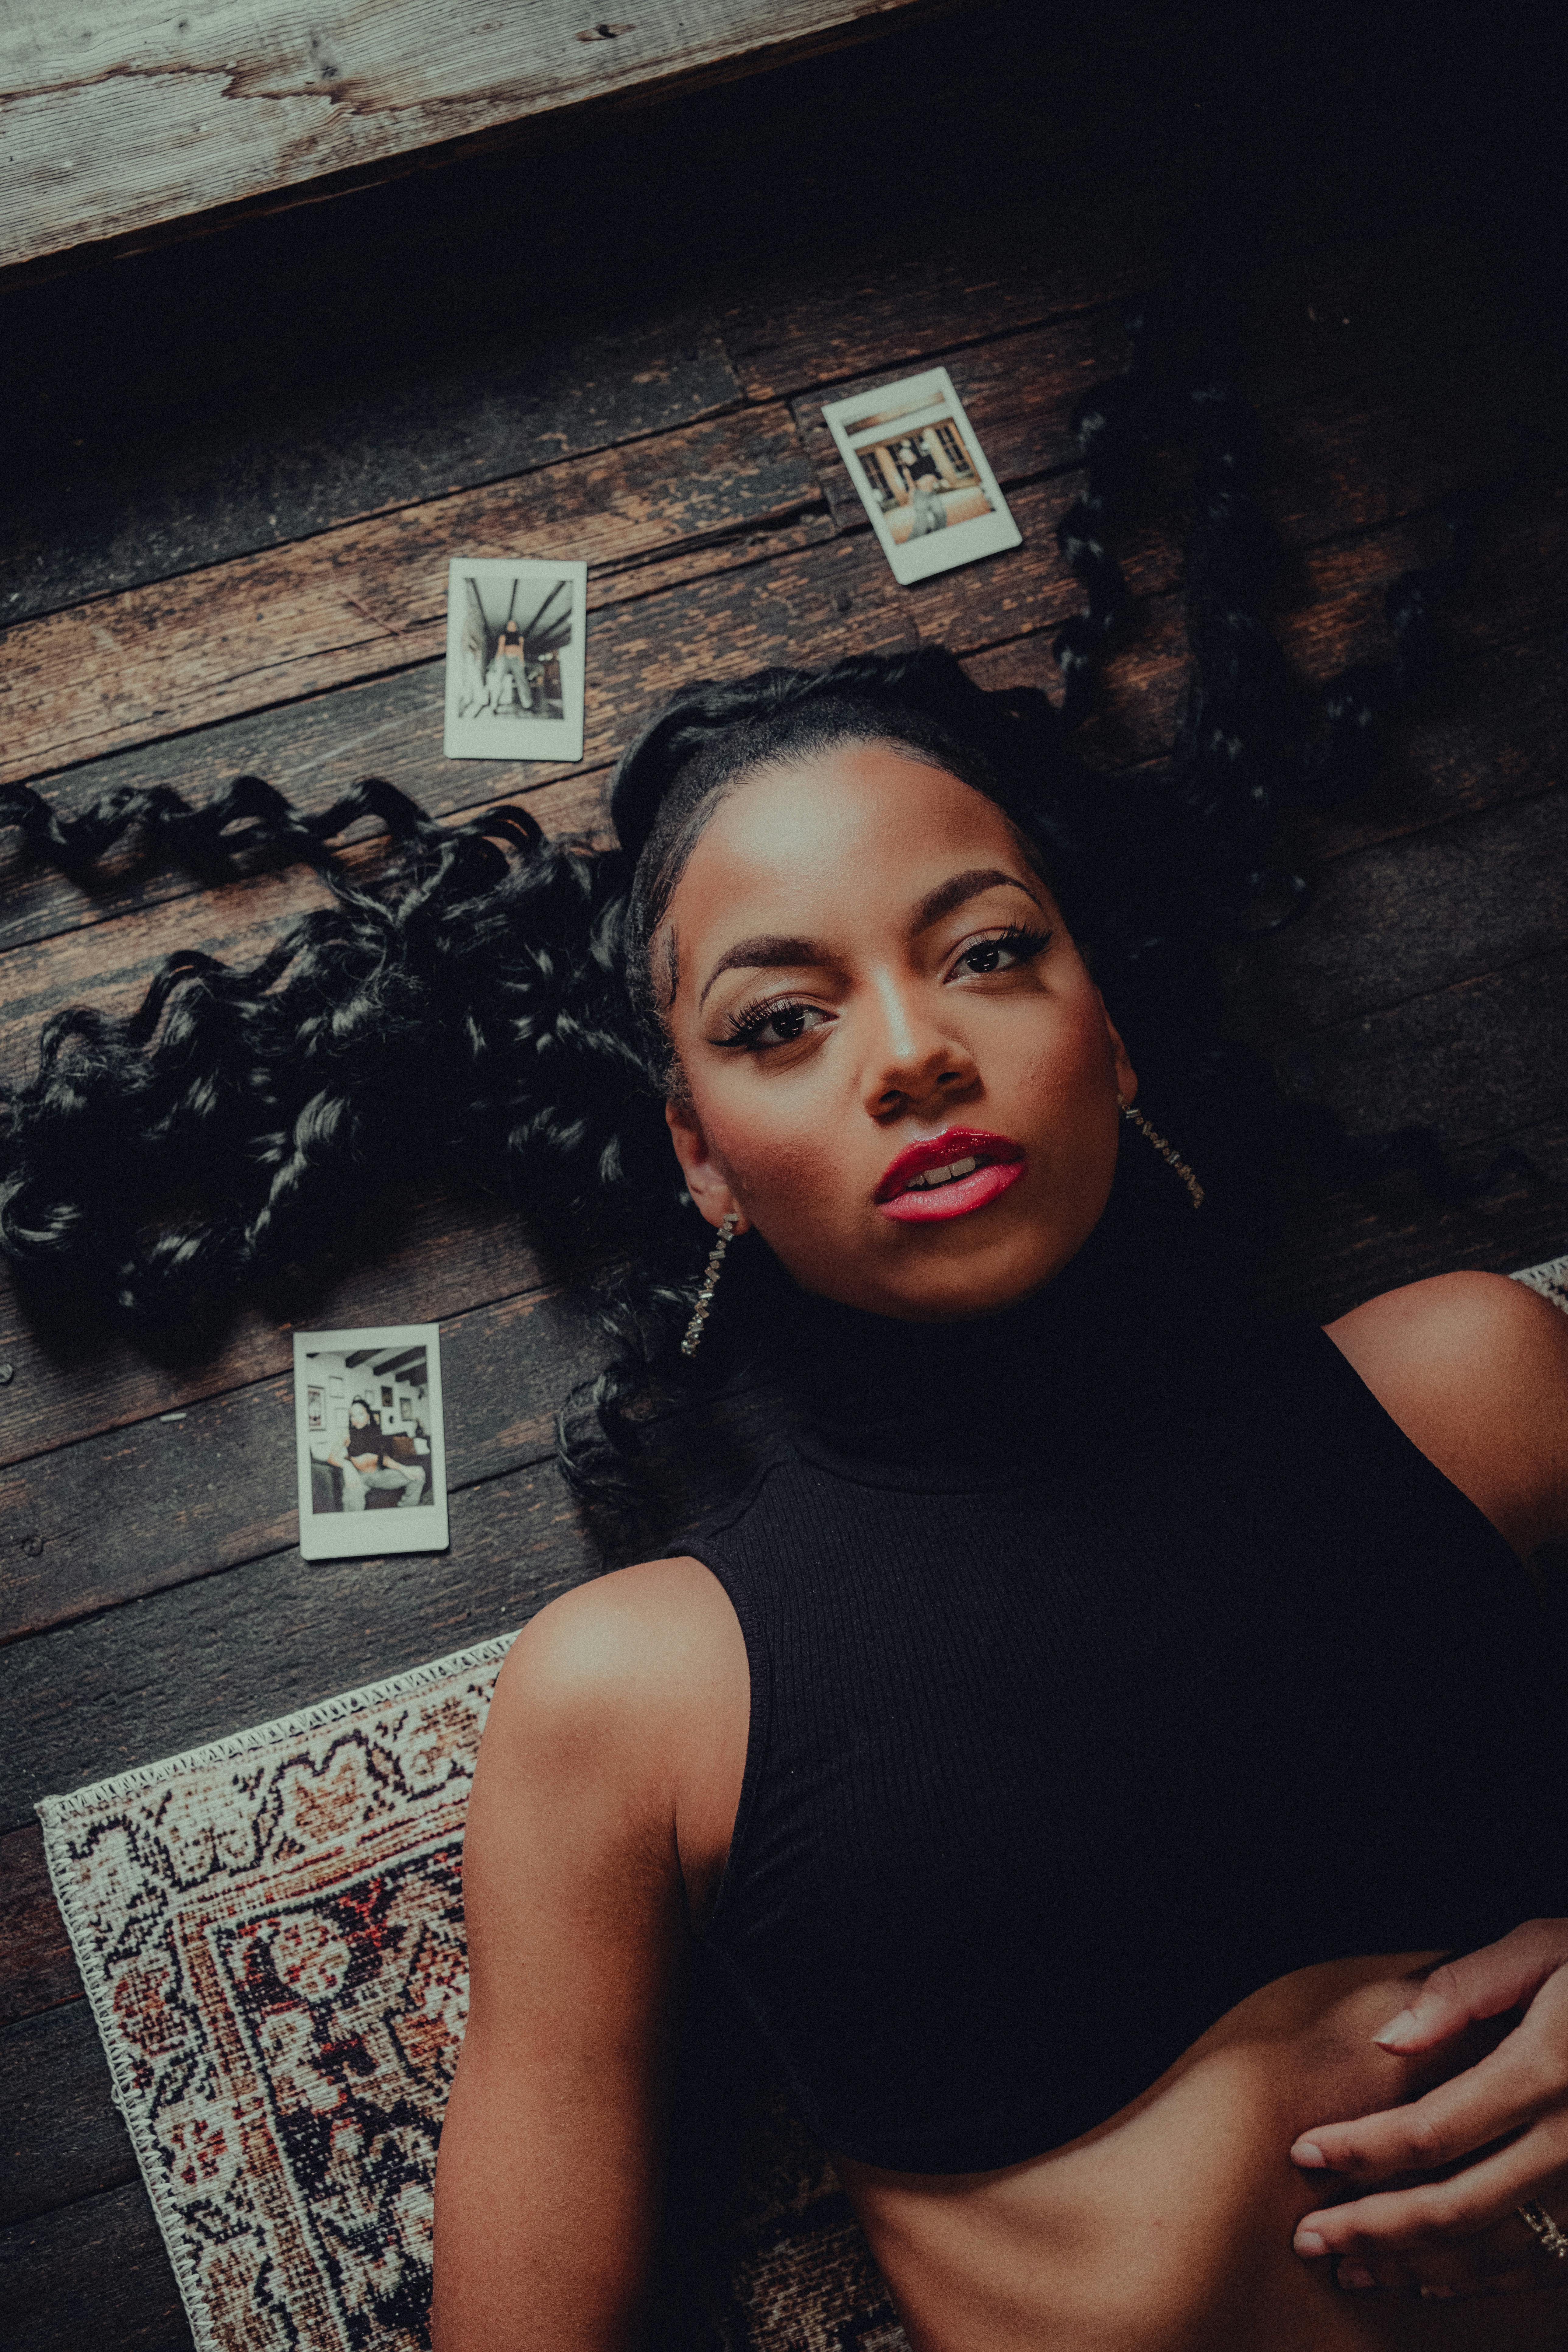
x,y
770,950
949,895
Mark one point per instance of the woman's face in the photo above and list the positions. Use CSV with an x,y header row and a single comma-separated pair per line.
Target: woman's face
x,y
359,1416
872,985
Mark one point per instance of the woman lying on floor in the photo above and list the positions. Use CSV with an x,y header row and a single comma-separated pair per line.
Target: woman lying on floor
x,y
1108,1711
1084,1736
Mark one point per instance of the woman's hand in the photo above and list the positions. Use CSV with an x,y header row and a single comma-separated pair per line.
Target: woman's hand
x,y
1460,2232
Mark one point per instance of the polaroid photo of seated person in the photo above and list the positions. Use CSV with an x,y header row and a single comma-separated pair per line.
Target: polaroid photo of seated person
x,y
369,1445
514,660
921,474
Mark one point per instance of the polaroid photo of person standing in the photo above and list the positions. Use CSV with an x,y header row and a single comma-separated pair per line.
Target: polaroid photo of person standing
x,y
514,660
921,474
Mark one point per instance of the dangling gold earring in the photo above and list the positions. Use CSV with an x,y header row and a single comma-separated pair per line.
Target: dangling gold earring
x,y
709,1282
1166,1150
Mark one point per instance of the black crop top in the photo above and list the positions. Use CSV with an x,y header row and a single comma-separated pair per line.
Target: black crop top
x,y
1109,1659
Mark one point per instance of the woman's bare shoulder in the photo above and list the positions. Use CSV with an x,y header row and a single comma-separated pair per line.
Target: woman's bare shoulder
x,y
1474,1368
633,1644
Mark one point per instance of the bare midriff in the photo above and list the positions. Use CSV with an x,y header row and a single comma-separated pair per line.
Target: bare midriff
x,y
1169,2228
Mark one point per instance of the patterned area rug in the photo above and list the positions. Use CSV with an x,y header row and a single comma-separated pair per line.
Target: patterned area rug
x,y
270,1932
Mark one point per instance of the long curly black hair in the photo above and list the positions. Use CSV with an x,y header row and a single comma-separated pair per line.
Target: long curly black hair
x,y
488,993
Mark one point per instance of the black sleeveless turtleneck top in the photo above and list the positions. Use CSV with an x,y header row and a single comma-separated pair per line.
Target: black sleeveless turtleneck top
x,y
1109,1658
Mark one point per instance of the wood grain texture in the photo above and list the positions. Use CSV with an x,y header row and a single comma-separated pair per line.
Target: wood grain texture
x,y
256,464
161,1503
1409,916
1339,1248
1485,731
429,1255
37,1968
91,2274
54,2105
370,598
373,596
1479,1059
116,118
199,1661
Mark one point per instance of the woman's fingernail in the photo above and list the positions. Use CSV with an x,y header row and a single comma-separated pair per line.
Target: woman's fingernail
x,y
1309,2153
1355,2274
1308,2242
1402,2030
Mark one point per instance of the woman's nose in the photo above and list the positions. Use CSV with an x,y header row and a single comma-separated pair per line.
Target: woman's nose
x,y
914,1058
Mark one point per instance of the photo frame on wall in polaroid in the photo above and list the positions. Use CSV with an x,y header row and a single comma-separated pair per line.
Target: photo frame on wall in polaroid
x,y
372,1476
916,461
514,658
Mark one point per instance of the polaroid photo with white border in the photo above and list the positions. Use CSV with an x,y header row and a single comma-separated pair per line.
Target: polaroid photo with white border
x,y
514,658
370,1441
912,454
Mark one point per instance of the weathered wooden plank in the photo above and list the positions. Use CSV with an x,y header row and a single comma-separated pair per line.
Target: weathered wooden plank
x,y
1339,1248
198,1661
814,603
1340,457
131,118
91,515
826,318
1310,318
162,1502
61,2135
1408,916
38,1966
435,1254
371,596
1484,729
93,2273
1481,1058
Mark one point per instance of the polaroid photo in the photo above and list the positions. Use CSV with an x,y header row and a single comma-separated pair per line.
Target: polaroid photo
x,y
514,660
369,1440
921,475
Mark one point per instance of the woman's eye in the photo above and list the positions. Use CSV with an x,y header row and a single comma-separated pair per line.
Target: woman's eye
x,y
775,1024
1002,951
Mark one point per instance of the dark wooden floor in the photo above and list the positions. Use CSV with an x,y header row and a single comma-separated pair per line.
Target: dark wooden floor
x,y
240,468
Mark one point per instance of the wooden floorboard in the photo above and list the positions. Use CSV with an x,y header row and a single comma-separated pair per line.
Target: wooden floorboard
x,y
54,2085
121,120
169,1499
237,482
204,1659
734,619
37,1968
432,1254
203,485
92,2274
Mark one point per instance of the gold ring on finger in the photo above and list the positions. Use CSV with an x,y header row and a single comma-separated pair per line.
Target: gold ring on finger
x,y
1537,2218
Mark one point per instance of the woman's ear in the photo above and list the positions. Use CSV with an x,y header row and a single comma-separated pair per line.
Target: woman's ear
x,y
1126,1076
706,1182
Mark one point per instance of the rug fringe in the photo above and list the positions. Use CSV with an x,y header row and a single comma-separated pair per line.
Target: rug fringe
x,y
54,1810
1551,1278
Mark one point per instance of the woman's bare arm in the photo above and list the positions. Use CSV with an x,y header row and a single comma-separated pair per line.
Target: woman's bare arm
x,y
547,2184
1474,1368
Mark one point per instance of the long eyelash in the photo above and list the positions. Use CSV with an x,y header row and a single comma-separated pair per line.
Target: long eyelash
x,y
1014,935
750,1020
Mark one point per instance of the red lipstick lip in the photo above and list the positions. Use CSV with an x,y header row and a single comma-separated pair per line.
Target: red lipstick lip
x,y
954,1143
